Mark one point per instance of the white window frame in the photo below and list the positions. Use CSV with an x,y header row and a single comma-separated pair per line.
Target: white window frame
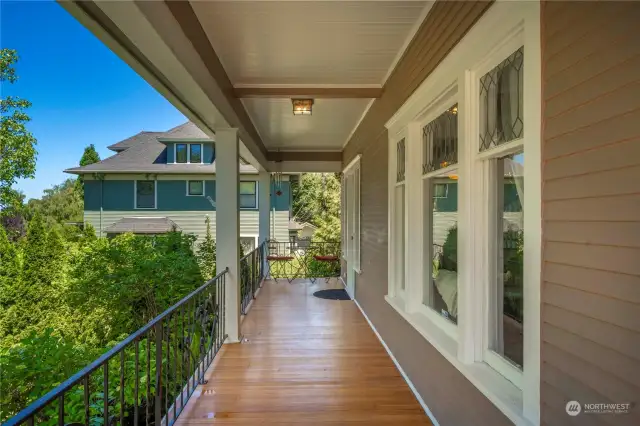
x,y
255,182
504,28
188,144
155,194
203,187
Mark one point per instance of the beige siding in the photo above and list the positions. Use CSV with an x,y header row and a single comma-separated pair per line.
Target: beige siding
x,y
193,222
591,209
450,396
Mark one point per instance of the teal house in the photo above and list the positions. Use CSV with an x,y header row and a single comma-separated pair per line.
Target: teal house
x,y
159,181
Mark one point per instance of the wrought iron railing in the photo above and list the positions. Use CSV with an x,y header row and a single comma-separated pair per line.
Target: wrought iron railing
x,y
251,276
147,378
303,259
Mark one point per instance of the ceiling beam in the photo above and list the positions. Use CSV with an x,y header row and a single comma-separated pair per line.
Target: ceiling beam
x,y
354,92
280,156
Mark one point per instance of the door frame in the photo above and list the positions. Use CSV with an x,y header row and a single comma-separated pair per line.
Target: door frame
x,y
351,222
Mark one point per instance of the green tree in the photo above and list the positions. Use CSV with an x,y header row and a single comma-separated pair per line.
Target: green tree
x,y
207,253
316,199
60,204
119,285
9,277
34,284
17,144
89,156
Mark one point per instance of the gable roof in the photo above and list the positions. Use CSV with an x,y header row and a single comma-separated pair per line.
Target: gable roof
x,y
144,153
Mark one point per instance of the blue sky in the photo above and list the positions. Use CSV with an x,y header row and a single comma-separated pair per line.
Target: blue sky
x,y
81,92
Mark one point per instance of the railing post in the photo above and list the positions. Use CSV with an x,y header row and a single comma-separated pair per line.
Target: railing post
x,y
264,209
158,399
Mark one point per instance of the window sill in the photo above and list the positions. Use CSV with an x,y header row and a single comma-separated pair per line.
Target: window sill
x,y
501,392
145,208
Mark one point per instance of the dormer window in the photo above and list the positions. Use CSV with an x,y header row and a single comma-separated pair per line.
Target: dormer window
x,y
188,153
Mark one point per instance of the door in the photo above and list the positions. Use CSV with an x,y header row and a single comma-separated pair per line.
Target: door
x,y
352,224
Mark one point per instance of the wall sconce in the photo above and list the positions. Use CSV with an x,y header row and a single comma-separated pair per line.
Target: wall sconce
x,y
302,106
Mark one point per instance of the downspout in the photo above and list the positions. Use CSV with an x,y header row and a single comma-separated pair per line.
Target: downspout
x,y
101,201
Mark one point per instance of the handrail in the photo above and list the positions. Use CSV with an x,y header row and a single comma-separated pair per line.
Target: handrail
x,y
203,313
303,258
251,275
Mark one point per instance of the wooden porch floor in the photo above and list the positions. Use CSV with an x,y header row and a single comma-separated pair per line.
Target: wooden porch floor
x,y
304,360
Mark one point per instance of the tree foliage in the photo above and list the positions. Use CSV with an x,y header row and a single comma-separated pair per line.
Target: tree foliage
x,y
60,204
17,144
316,198
207,253
89,156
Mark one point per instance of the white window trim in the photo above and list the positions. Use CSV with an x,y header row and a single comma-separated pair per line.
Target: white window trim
x,y
255,182
155,195
204,190
188,144
499,32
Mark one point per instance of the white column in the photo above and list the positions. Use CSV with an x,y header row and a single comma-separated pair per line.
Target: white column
x,y
264,206
228,225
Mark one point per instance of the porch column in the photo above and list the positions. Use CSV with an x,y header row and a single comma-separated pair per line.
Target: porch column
x,y
264,206
228,225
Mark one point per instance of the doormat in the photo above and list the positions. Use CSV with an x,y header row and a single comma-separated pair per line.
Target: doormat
x,y
333,294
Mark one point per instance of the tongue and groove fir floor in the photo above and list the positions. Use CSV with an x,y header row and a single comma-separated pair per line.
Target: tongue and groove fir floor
x,y
303,361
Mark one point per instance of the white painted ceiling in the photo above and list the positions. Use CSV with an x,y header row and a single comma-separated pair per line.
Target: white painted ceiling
x,y
308,43
326,129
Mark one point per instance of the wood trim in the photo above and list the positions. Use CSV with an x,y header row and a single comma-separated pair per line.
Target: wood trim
x,y
188,21
312,92
304,156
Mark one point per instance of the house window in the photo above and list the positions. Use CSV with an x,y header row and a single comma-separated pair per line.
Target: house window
x,y
145,194
195,153
459,214
440,139
501,102
440,190
399,222
195,187
248,195
181,153
506,316
186,153
440,291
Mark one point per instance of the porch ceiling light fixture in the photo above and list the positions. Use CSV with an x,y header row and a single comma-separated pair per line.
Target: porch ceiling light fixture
x,y
302,106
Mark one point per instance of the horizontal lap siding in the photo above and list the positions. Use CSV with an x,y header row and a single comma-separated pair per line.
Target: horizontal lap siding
x,y
439,383
591,209
193,222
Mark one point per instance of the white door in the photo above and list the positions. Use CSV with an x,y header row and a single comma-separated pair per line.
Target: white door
x,y
352,225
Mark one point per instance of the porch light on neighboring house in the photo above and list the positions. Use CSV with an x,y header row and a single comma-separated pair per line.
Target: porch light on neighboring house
x,y
302,106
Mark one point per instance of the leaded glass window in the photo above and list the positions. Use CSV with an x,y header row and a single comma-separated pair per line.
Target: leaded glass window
x,y
501,100
401,161
440,141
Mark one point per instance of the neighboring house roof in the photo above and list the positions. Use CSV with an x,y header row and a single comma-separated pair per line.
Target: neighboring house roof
x,y
144,153
187,130
296,226
142,225
129,142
